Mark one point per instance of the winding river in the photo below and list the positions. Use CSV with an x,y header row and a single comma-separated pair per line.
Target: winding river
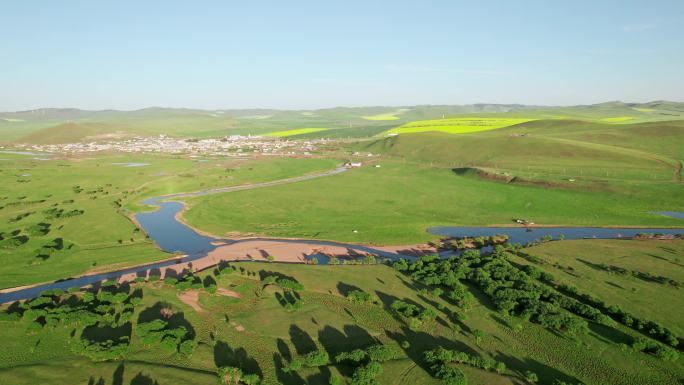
x,y
173,236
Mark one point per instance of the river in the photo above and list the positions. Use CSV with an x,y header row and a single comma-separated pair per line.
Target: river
x,y
173,236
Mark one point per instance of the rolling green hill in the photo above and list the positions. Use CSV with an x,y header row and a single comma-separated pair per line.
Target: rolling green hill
x,y
63,125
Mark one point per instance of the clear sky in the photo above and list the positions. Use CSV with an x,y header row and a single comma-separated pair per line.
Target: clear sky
x,y
308,54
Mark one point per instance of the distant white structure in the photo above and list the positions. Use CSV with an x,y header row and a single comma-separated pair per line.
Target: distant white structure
x,y
352,164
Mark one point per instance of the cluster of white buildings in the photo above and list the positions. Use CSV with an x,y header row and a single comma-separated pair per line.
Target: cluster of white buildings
x,y
234,145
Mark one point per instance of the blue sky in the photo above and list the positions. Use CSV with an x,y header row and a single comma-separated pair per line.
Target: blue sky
x,y
310,54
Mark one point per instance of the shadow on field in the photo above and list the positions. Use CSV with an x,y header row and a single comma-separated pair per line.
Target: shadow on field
x,y
209,281
288,298
352,337
336,341
344,288
547,374
265,273
444,310
92,381
280,360
97,334
608,334
224,355
286,378
302,341
117,377
141,379
419,342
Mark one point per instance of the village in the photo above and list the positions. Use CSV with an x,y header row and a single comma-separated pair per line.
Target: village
x,y
234,145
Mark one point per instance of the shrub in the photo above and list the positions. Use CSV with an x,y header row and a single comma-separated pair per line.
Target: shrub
x,y
365,375
316,358
381,353
359,296
450,375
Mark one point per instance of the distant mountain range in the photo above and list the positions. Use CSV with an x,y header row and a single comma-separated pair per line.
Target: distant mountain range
x,y
60,125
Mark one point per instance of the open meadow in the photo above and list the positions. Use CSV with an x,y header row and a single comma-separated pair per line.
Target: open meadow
x,y
561,312
69,216
292,324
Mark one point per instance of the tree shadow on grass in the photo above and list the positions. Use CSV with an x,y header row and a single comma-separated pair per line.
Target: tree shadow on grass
x,y
302,341
209,281
608,334
117,377
547,374
224,355
285,378
283,349
141,379
335,341
96,334
100,381
420,341
444,310
344,288
320,378
288,298
266,273
387,301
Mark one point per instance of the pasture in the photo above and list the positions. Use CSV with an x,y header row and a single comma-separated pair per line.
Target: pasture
x,y
296,131
258,333
396,203
68,216
594,266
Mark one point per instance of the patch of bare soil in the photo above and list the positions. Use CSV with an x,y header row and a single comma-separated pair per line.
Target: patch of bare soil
x,y
191,298
227,293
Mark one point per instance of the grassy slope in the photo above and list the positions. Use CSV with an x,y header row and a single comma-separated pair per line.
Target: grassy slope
x,y
455,125
643,298
394,204
617,182
328,321
58,125
95,235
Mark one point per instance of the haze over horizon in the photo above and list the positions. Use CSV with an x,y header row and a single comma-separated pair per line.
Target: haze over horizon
x,y
309,55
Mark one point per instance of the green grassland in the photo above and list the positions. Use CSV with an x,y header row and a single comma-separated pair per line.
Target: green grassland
x,y
387,115
67,125
555,172
296,131
259,335
395,203
579,263
99,194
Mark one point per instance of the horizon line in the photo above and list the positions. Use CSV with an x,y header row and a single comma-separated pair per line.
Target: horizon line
x,y
339,106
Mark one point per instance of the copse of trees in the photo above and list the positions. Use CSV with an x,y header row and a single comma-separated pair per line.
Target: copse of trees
x,y
657,349
367,362
441,355
511,290
473,242
108,309
359,297
176,339
312,359
111,349
230,375
416,314
290,299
